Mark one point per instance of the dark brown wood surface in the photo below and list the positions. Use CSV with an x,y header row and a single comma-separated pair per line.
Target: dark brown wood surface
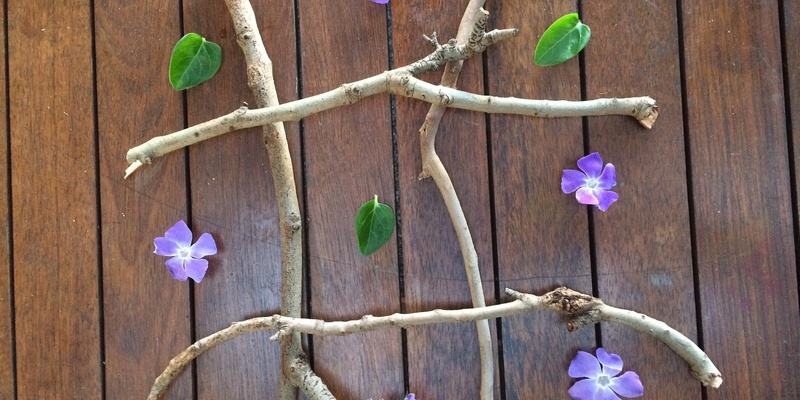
x,y
704,236
737,139
134,102
53,165
6,305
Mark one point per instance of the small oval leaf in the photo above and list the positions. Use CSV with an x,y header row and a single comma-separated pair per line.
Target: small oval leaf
x,y
564,39
374,226
194,61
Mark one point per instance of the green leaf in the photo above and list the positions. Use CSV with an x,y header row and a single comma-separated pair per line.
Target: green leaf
x,y
374,226
561,41
194,61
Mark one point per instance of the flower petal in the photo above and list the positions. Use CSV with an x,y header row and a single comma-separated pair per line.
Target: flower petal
x,y
380,1
605,393
175,266
180,234
587,196
410,397
592,165
572,180
612,363
584,365
584,389
608,178
166,247
605,198
627,385
205,246
196,269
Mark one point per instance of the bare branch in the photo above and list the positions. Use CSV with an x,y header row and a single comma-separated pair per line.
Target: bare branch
x,y
470,31
457,50
701,366
574,305
641,108
396,83
308,381
262,84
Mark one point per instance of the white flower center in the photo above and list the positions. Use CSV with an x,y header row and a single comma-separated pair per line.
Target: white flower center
x,y
183,253
603,380
591,183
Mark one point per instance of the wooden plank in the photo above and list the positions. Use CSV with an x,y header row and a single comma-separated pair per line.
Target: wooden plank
x,y
6,293
741,197
644,258
348,159
146,313
542,239
233,198
53,166
442,359
791,30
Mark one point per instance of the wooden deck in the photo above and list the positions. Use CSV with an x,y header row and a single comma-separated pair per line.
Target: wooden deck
x,y
704,236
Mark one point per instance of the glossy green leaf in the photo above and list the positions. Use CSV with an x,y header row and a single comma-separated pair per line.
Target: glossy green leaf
x,y
374,226
194,61
561,41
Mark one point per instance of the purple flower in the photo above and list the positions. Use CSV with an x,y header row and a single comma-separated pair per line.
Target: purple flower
x,y
186,261
602,383
592,183
382,2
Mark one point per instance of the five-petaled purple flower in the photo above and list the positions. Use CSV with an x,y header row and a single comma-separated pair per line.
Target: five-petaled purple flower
x,y
591,182
603,382
381,2
186,261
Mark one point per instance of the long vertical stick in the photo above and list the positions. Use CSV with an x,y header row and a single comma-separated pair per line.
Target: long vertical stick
x,y
260,80
432,166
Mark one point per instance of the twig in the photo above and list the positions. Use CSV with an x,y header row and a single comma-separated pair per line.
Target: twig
x,y
580,310
132,168
398,83
311,384
470,30
261,82
701,366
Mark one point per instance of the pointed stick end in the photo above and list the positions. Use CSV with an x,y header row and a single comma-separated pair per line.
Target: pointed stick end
x,y
132,168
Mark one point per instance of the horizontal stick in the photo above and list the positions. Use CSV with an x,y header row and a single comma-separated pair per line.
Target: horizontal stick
x,y
580,309
399,83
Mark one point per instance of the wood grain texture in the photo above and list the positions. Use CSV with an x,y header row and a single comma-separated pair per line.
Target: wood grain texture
x,y
791,30
442,359
146,312
645,271
53,167
542,234
234,199
348,160
6,293
741,197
